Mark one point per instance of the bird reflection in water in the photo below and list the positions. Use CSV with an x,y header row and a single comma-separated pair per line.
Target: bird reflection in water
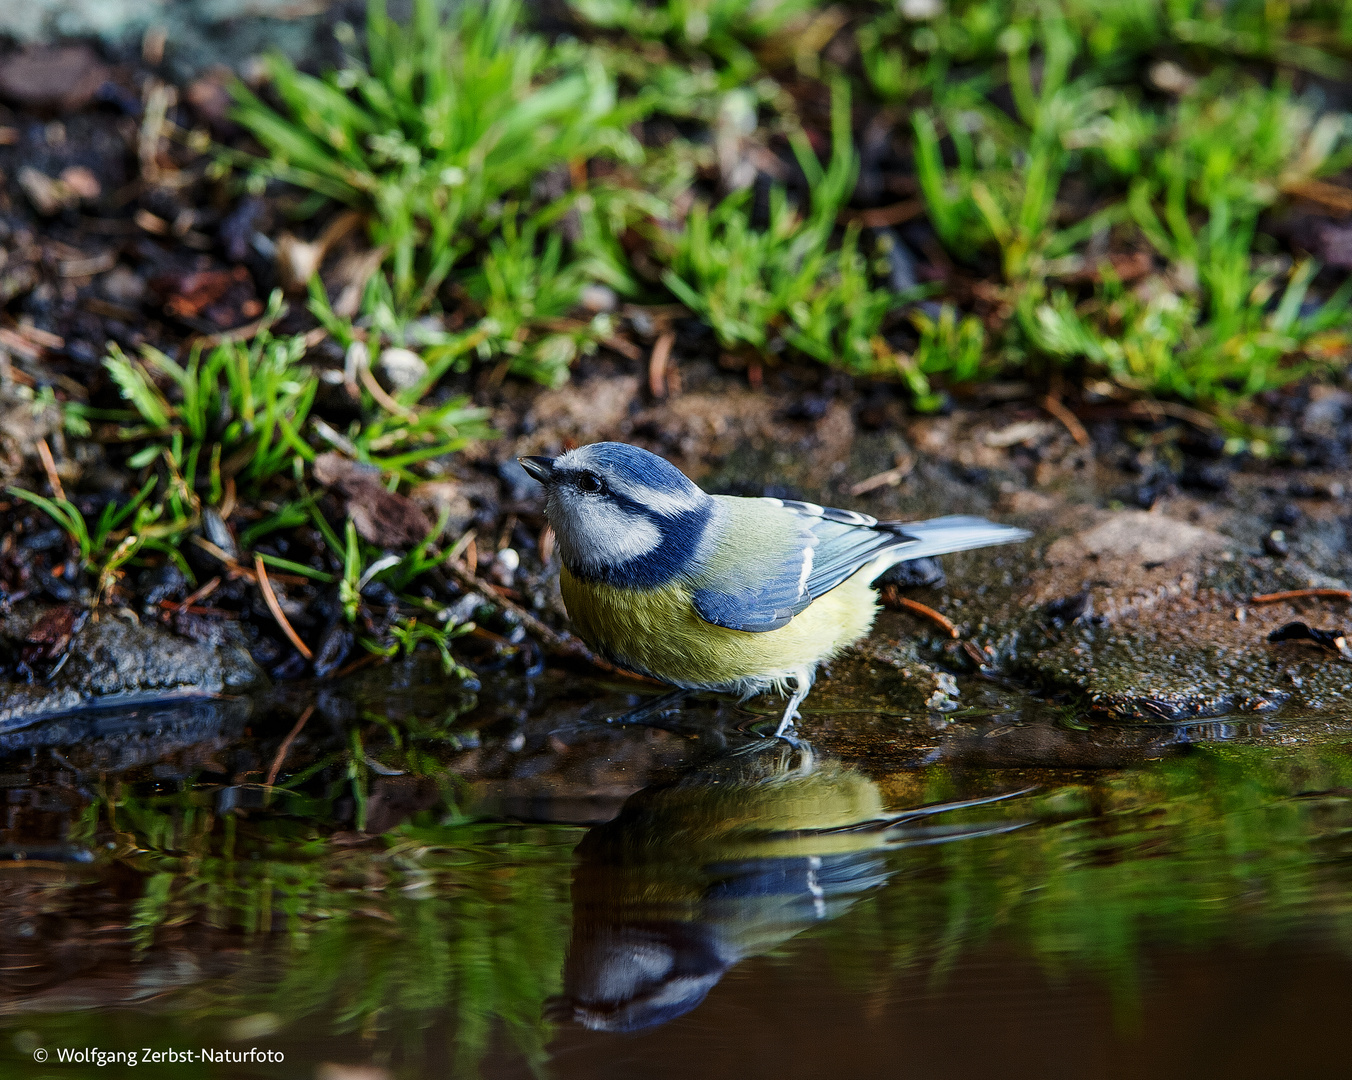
x,y
726,863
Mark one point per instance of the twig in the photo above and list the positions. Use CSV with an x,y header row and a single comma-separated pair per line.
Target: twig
x,y
17,343
240,333
1072,422
880,217
890,478
382,399
228,499
657,364
1156,409
233,568
1333,196
286,745
9,372
49,466
926,611
41,337
222,556
270,598
171,608
192,598
336,229
1301,594
974,654
627,349
358,664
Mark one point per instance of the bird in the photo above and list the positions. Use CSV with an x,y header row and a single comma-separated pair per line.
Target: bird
x,y
724,862
718,592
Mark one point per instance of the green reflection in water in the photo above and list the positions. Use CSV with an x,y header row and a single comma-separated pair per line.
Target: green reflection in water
x,y
1240,844
444,939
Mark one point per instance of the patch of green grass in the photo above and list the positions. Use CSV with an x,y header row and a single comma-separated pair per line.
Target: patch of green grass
x,y
1225,323
120,532
1189,179
762,290
1002,190
724,31
242,404
1042,138
711,24
431,127
527,290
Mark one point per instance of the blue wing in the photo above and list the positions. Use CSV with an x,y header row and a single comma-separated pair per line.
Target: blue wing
x,y
803,551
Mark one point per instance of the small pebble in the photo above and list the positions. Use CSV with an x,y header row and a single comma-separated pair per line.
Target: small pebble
x,y
505,565
82,182
599,298
1275,544
122,285
403,369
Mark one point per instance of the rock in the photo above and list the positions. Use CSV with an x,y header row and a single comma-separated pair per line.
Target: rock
x,y
116,661
1135,538
403,369
598,298
1144,617
59,78
297,261
175,735
82,182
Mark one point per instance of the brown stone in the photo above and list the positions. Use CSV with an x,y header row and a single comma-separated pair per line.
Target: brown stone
x,y
61,78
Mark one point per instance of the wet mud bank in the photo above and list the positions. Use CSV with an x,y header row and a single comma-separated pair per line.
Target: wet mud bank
x,y
1128,606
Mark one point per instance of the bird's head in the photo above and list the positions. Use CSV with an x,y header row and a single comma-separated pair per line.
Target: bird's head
x,y
620,513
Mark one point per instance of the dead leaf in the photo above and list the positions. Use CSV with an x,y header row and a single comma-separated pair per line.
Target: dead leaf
x,y
382,517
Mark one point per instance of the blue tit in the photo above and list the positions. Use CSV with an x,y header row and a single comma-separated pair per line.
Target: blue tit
x,y
713,592
728,862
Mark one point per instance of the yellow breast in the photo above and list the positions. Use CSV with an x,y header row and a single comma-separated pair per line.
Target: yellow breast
x,y
659,633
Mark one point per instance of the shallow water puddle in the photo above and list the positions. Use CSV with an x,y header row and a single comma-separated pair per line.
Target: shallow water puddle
x,y
674,900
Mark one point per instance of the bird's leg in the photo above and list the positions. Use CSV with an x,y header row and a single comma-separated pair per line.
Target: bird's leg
x,y
653,709
800,688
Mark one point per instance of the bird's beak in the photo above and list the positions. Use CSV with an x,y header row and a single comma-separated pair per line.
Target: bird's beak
x,y
541,468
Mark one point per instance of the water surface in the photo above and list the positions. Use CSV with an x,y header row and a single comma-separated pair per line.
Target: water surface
x,y
444,887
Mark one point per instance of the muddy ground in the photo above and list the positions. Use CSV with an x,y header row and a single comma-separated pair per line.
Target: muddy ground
x,y
1131,611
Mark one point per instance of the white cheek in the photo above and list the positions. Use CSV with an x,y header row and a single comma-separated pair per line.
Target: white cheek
x,y
593,532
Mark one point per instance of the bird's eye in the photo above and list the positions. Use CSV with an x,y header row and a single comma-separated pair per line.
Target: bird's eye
x,y
589,483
